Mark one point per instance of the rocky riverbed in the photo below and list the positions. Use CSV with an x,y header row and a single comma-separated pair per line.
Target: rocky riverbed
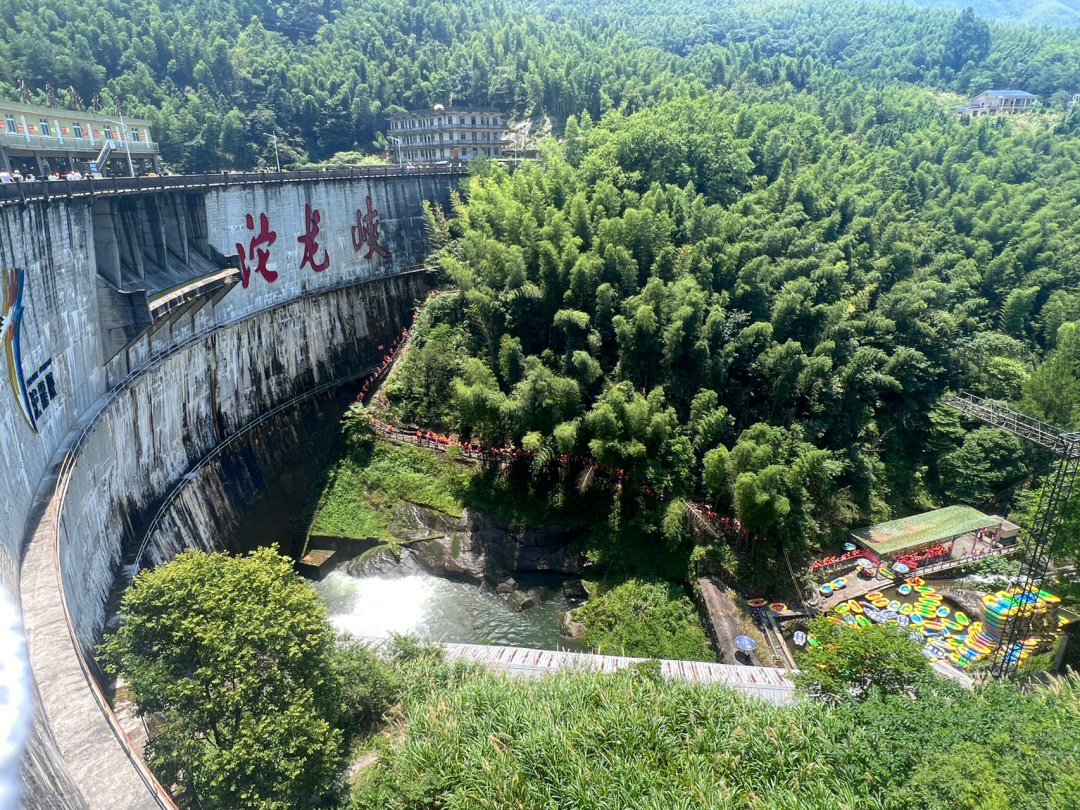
x,y
473,547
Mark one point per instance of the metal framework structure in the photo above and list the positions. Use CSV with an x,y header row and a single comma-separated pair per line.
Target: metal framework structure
x,y
1055,494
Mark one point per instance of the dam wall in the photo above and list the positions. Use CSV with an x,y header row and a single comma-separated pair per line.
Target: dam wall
x,y
141,330
52,370
176,411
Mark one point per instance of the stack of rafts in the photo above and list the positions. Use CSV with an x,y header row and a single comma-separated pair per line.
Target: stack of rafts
x,y
1000,610
953,637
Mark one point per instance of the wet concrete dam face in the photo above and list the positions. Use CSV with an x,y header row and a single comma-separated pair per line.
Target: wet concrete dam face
x,y
163,336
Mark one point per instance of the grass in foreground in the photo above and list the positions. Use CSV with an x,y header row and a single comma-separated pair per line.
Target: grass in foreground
x,y
582,740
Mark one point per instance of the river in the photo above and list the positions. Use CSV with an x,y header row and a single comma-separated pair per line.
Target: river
x,y
437,609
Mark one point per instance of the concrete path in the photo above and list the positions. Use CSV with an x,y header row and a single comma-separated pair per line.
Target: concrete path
x,y
767,683
107,773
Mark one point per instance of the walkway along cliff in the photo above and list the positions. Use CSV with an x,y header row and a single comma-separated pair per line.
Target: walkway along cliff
x,y
143,326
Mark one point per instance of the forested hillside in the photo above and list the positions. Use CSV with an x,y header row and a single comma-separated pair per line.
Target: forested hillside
x,y
218,76
748,294
1061,13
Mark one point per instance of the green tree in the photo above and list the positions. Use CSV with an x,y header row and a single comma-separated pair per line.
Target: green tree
x,y
235,656
968,39
854,663
1052,392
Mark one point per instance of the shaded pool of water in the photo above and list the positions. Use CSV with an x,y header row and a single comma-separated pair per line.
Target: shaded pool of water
x,y
437,609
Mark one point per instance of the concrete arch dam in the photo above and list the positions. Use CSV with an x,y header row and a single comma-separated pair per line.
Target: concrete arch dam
x,y
143,326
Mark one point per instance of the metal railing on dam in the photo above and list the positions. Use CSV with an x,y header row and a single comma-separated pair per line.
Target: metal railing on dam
x,y
44,190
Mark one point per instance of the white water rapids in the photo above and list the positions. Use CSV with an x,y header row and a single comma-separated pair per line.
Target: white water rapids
x,y
437,609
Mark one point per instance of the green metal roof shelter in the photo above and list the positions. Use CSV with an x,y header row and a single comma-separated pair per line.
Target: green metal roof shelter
x,y
903,534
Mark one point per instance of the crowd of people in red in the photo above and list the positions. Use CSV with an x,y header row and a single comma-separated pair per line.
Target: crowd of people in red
x,y
477,452
474,450
730,528
915,558
835,559
387,361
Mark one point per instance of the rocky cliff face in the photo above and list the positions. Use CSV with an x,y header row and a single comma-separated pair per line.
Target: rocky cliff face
x,y
475,547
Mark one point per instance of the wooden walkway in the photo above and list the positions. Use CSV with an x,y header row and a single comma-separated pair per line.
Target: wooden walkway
x,y
767,683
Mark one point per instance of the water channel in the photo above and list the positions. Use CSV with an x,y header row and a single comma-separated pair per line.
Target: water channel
x,y
436,609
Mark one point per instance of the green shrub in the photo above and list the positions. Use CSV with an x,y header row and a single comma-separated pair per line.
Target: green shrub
x,y
369,685
855,662
647,619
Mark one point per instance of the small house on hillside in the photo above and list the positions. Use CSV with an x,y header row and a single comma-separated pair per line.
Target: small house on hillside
x,y
998,101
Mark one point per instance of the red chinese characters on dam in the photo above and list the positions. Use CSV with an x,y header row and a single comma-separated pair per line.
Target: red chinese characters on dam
x,y
309,240
254,257
366,232
255,253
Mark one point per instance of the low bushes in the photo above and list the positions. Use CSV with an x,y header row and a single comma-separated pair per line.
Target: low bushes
x,y
644,618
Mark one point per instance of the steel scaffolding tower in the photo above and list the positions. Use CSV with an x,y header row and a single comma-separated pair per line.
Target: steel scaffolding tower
x,y
1055,493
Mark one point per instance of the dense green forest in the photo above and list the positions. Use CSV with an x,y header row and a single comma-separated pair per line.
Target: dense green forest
x,y
758,296
218,76
1029,12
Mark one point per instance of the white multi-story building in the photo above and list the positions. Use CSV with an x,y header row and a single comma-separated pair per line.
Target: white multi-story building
x,y
992,102
445,134
45,139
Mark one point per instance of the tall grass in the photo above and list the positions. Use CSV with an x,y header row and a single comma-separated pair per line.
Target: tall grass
x,y
584,740
369,480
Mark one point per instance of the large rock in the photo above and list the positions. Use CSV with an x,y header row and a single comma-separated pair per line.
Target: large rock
x,y
507,585
520,600
575,590
970,601
474,544
570,627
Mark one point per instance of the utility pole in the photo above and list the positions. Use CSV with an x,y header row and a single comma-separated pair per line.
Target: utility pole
x,y
277,156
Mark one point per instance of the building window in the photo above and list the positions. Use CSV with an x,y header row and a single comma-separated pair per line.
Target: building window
x,y
108,132
76,129
44,127
474,120
9,122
